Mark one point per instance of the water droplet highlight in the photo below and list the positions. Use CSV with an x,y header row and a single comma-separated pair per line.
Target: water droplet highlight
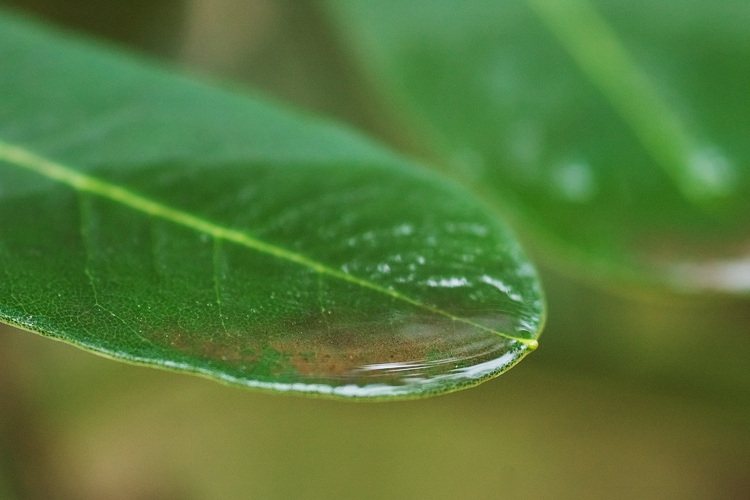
x,y
711,172
575,181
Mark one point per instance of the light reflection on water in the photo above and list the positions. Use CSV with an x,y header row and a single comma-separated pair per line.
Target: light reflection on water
x,y
457,377
730,275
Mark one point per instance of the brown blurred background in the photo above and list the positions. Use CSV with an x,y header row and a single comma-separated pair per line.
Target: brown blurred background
x,y
628,396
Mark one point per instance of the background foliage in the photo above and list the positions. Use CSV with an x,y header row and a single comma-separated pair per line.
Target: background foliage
x,y
629,395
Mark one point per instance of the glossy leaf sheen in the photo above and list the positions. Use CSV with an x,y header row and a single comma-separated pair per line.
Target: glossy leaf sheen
x,y
615,132
161,221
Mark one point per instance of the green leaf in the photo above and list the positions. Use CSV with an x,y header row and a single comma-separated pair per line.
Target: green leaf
x,y
614,133
155,219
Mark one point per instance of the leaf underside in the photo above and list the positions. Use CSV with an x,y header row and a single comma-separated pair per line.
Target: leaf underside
x,y
158,220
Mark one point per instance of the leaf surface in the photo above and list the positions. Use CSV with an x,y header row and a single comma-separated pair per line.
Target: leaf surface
x,y
155,219
614,133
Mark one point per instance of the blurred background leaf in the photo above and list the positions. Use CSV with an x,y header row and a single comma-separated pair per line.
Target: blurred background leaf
x,y
630,396
614,132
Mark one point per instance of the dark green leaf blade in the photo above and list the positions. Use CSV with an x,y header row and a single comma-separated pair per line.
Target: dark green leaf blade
x,y
615,133
161,221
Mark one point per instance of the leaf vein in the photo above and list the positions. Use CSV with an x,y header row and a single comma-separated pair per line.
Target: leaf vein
x,y
217,280
23,158
602,57
87,230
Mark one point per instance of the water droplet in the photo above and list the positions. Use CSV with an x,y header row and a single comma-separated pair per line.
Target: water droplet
x,y
473,229
406,279
477,230
403,230
575,181
711,172
449,283
502,287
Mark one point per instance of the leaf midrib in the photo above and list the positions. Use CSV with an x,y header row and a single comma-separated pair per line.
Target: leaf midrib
x,y
23,158
595,47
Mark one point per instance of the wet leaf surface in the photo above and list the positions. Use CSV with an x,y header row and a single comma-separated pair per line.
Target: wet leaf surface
x,y
614,133
162,221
